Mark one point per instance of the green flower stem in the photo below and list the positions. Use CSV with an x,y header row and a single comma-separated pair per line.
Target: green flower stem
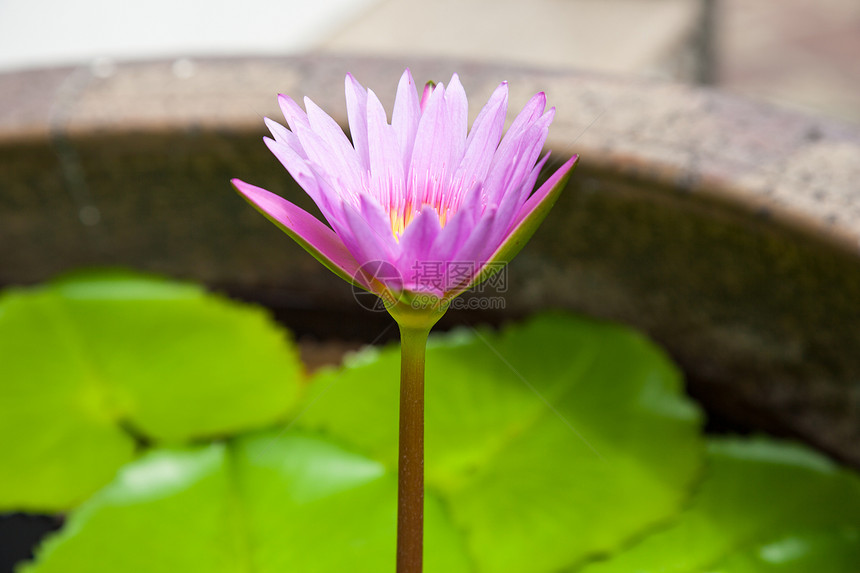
x,y
410,484
415,315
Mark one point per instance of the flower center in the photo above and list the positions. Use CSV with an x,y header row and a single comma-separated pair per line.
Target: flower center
x,y
400,219
403,207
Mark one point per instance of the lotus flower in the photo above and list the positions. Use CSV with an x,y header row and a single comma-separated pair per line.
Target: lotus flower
x,y
420,204
420,209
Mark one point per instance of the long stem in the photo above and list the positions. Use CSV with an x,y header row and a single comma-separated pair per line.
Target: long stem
x,y
410,485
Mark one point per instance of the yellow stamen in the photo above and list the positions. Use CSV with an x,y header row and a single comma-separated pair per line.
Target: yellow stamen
x,y
399,221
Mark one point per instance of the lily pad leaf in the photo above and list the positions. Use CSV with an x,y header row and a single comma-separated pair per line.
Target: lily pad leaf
x,y
275,502
94,361
549,441
763,507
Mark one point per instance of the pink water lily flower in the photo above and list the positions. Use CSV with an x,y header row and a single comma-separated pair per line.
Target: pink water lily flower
x,y
420,204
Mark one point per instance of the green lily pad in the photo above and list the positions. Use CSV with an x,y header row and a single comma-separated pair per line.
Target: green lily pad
x,y
548,442
763,507
267,503
93,361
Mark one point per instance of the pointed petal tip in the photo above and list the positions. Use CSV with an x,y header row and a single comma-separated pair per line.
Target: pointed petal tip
x,y
350,80
245,189
251,193
272,144
500,94
274,126
563,170
539,99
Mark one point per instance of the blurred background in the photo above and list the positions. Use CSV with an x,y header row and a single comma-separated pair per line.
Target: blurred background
x,y
797,53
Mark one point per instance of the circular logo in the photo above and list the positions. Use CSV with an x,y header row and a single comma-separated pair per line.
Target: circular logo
x,y
371,271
